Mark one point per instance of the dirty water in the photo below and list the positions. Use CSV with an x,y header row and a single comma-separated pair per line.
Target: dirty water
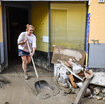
x,y
21,91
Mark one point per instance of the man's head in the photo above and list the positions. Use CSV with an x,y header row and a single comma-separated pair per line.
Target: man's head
x,y
29,29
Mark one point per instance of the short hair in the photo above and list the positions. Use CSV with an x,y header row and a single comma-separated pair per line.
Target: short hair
x,y
29,26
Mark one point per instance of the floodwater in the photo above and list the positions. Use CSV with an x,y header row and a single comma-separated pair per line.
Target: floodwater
x,y
21,91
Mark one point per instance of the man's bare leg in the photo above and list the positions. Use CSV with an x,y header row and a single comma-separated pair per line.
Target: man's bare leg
x,y
24,66
28,61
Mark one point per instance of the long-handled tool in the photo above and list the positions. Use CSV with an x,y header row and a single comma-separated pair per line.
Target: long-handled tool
x,y
40,83
32,61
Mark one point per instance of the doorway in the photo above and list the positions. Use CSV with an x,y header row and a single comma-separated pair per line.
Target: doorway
x,y
17,18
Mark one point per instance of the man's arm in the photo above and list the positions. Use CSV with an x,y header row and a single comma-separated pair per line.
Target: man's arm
x,y
22,42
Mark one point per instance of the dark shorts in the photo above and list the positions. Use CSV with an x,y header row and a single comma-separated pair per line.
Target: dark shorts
x,y
23,53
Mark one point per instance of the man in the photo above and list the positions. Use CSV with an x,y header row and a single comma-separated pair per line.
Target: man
x,y
24,39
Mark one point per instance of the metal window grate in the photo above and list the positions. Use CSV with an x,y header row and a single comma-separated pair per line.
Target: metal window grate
x,y
101,1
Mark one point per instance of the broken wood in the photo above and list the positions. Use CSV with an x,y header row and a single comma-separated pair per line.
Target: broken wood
x,y
82,91
88,74
72,81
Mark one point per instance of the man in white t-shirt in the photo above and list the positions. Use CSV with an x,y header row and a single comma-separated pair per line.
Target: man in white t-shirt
x,y
23,49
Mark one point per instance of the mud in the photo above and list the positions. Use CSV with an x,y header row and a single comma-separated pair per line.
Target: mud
x,y
21,91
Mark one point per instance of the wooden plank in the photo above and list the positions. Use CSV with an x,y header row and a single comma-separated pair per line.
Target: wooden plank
x,y
82,91
72,81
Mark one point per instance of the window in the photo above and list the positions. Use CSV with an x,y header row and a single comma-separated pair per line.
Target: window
x,y
101,1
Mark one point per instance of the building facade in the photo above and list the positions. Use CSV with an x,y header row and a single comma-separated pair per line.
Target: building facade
x,y
77,24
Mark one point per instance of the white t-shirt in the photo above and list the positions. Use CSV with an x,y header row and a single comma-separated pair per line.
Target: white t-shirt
x,y
31,41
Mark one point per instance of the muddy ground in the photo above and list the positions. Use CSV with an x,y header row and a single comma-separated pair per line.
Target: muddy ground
x,y
21,91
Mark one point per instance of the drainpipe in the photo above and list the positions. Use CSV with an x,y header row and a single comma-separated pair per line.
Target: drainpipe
x,y
49,31
3,44
87,34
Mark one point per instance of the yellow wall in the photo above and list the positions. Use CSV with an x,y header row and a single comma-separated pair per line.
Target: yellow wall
x,y
1,34
68,22
40,13
97,21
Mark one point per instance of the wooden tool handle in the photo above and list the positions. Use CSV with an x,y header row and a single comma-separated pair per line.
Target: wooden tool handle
x,y
36,73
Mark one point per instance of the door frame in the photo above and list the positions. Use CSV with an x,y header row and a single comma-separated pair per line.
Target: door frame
x,y
4,6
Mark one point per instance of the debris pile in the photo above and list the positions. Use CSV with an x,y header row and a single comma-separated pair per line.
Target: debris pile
x,y
68,67
65,74
97,86
97,92
72,75
69,71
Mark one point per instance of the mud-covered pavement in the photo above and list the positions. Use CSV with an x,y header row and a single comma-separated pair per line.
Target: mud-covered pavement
x,y
21,91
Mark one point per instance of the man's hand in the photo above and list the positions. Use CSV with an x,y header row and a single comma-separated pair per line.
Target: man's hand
x,y
31,54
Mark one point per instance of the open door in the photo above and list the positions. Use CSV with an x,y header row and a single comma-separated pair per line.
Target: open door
x,y
17,18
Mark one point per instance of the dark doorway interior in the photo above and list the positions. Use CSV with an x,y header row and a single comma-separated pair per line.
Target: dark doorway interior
x,y
17,18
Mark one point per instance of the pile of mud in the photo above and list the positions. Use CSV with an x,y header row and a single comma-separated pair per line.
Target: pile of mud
x,y
47,92
3,81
